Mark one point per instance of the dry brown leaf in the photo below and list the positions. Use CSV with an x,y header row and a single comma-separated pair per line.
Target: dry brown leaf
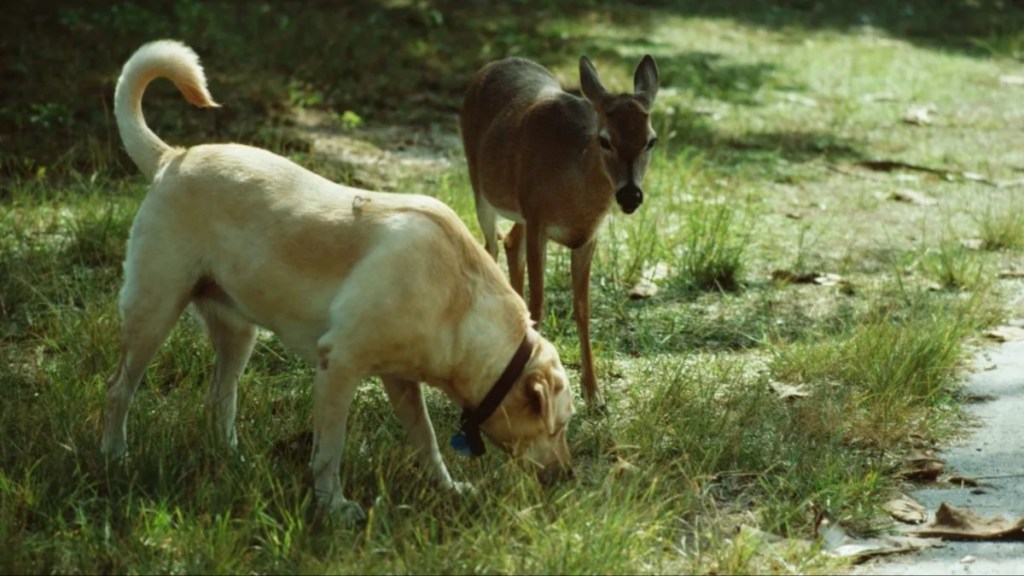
x,y
880,97
1011,273
829,279
621,467
647,285
965,481
906,510
837,542
1006,333
798,99
919,115
922,469
791,277
912,197
954,523
644,288
972,243
785,391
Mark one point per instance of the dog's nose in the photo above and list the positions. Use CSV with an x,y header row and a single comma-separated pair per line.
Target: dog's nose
x,y
629,197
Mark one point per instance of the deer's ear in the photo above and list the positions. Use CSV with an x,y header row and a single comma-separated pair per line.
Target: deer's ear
x,y
590,84
645,80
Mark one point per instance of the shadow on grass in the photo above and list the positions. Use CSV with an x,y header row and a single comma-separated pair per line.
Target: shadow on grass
x,y
973,27
386,61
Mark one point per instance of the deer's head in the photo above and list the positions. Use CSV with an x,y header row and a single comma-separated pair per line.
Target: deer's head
x,y
624,128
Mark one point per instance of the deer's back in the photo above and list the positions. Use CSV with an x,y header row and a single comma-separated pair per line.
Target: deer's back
x,y
516,121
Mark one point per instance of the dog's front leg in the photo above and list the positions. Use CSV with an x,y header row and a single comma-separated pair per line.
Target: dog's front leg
x,y
334,389
407,400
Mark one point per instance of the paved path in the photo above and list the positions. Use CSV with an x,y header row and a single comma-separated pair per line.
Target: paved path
x,y
995,451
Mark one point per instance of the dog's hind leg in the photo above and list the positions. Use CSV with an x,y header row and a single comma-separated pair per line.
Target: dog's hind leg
x,y
149,308
233,338
333,390
407,400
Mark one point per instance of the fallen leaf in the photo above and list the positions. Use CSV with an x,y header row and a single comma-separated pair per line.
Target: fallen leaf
x,y
644,288
829,279
1006,333
835,541
647,285
972,243
954,523
1011,273
919,115
785,391
893,165
798,99
906,510
922,469
912,197
621,467
1011,80
826,279
791,277
880,97
964,481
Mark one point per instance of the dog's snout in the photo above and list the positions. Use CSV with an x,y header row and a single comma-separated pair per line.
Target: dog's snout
x,y
629,197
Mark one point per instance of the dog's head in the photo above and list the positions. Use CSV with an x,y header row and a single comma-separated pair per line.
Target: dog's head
x,y
532,421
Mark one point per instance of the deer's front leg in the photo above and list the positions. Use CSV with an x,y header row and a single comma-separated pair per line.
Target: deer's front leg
x,y
536,258
581,259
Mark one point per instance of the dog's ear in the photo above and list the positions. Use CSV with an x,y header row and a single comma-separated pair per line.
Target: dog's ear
x,y
542,400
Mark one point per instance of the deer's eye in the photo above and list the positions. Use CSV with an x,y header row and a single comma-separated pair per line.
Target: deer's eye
x,y
605,142
652,142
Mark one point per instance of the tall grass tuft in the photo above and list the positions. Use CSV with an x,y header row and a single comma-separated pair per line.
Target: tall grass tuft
x,y
1002,229
711,253
888,372
953,267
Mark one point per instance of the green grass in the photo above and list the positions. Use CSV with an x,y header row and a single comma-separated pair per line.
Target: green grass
x,y
763,118
1002,228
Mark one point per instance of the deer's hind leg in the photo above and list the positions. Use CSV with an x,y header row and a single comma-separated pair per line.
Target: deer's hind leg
x,y
488,219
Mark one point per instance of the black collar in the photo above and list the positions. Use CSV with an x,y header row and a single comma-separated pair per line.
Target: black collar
x,y
468,438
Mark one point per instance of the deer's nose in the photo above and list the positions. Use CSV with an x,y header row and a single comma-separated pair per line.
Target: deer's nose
x,y
629,197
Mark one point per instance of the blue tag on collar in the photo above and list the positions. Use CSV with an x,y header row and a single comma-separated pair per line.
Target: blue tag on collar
x,y
460,443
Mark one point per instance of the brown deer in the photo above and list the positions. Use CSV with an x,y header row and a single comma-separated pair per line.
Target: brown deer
x,y
551,162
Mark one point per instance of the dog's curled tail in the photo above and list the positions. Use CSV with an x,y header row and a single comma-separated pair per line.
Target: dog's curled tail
x,y
161,59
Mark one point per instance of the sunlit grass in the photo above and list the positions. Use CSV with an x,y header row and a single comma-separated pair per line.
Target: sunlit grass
x,y
760,129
